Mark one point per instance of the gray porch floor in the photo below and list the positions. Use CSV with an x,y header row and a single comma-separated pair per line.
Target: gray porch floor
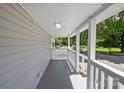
x,y
56,76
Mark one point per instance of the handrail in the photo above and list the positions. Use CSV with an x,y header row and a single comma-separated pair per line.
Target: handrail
x,y
72,50
80,54
59,48
83,56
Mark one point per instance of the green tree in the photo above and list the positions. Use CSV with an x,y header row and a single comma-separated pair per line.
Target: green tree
x,y
73,42
110,42
120,29
112,27
61,41
84,38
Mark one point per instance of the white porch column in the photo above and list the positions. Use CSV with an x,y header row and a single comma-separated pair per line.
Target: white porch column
x,y
68,41
77,50
91,52
51,38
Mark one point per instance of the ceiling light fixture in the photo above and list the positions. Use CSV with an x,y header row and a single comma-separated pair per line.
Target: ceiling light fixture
x,y
58,25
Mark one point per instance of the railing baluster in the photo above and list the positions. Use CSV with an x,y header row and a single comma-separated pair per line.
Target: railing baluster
x,y
110,82
115,83
121,86
82,59
105,81
90,73
99,79
102,80
96,78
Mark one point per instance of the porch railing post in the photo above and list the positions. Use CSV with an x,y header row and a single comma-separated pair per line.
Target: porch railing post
x,y
77,50
51,38
91,52
68,41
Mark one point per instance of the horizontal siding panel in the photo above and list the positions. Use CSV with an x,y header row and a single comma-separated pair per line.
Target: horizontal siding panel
x,y
15,63
12,34
24,48
28,17
24,79
19,15
13,58
12,19
13,74
17,42
12,50
5,23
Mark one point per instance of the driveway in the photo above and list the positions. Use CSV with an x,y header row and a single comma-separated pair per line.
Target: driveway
x,y
116,61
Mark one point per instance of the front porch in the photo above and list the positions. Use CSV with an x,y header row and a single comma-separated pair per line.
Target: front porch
x,y
26,49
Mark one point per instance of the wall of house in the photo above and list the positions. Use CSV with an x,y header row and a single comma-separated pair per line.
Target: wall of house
x,y
24,48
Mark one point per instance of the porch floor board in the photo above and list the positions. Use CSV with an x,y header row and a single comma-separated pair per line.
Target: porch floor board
x,y
56,76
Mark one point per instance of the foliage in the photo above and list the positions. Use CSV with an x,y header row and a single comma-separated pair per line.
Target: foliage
x,y
84,38
108,43
61,41
73,40
110,32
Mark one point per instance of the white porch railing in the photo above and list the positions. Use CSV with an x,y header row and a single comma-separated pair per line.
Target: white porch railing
x,y
82,58
103,76
58,53
83,64
106,77
72,57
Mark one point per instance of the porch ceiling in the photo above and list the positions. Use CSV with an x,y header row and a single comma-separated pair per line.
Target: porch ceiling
x,y
70,15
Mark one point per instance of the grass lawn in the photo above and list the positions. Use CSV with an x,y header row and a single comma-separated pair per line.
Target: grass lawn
x,y
115,51
106,50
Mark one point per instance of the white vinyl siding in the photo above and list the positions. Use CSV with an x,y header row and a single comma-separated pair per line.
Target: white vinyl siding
x,y
24,48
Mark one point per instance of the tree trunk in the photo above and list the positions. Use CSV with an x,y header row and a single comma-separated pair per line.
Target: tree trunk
x,y
109,48
122,42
